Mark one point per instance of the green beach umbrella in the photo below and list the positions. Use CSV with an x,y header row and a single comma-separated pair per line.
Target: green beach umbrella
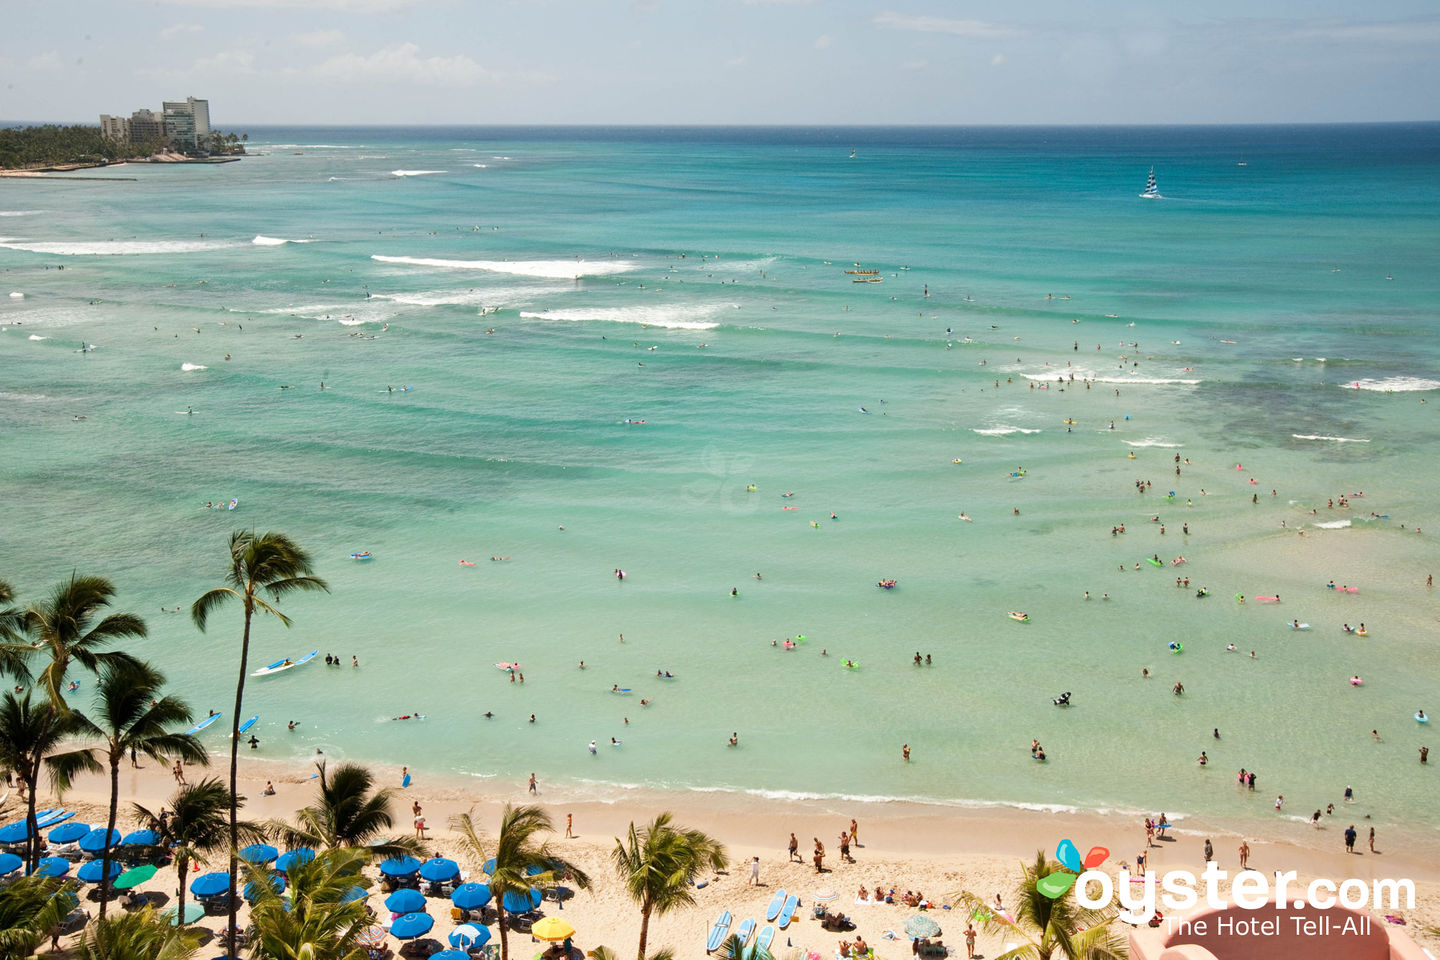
x,y
134,876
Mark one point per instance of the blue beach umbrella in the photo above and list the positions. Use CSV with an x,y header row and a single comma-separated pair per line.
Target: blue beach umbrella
x,y
260,853
439,869
412,925
98,839
469,935
14,833
292,858
91,872
69,832
252,891
405,901
399,866
9,863
141,838
489,867
210,884
471,896
353,894
52,867
518,901
450,955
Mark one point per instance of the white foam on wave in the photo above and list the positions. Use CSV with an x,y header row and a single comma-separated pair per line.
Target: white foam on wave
x,y
546,269
1054,376
351,322
18,213
482,166
106,248
22,397
1333,524
413,173
1314,436
1000,431
36,336
16,295
263,241
674,318
478,296
1395,384
1151,442
188,367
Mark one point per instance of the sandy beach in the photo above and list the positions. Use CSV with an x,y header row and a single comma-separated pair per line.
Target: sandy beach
x,y
901,846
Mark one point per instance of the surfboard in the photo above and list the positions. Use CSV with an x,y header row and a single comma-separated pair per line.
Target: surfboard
x,y
282,665
787,912
761,944
777,903
747,927
622,691
1422,718
203,724
248,724
1154,561
405,780
1291,625
718,932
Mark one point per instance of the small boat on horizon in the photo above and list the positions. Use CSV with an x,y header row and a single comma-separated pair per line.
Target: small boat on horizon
x,y
1152,192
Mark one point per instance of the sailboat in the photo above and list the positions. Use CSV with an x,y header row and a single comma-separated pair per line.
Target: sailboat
x,y
1152,192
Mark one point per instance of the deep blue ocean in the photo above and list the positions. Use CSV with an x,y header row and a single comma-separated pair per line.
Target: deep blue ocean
x,y
586,350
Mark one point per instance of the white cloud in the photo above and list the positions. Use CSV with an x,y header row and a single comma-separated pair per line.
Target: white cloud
x,y
822,42
958,28
1419,31
229,62
402,63
179,30
999,60
339,6
49,60
319,38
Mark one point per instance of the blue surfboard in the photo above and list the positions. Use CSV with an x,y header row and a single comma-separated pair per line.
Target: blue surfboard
x,y
718,932
248,724
203,724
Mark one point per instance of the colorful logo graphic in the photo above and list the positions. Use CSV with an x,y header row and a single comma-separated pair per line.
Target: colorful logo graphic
x,y
1056,885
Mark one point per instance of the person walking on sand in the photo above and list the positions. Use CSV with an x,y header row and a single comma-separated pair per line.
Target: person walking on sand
x,y
1372,839
970,941
754,872
1209,851
819,856
1244,855
854,832
795,849
845,848
569,826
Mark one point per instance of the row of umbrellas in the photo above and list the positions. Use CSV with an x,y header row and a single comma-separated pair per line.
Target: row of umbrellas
x,y
91,839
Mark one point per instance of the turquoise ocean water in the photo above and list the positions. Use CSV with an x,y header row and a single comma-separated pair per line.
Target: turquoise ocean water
x,y
695,280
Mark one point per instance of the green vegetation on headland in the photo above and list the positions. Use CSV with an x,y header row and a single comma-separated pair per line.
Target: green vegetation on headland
x,y
51,145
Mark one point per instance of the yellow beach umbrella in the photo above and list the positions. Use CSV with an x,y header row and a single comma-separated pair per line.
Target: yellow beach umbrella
x,y
552,928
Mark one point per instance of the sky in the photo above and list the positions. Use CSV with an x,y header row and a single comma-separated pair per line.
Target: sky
x,y
766,62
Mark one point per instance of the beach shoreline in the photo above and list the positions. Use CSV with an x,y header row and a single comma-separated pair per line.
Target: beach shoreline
x,y
902,845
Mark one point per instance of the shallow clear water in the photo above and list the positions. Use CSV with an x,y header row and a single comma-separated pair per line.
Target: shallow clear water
x,y
753,359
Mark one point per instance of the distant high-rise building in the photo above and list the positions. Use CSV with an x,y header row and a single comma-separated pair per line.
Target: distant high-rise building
x,y
188,121
145,125
114,128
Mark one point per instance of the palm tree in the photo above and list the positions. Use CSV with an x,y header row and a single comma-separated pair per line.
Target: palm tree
x,y
268,562
133,716
656,864
346,814
29,735
733,948
605,953
63,626
141,935
30,908
319,920
517,854
1049,927
14,647
196,826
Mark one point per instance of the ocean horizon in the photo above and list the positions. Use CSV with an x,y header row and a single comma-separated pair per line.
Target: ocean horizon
x,y
550,354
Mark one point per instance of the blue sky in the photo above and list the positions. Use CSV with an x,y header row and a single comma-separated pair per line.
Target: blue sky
x,y
724,61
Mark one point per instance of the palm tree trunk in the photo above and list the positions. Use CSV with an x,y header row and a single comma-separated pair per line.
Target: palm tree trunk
x,y
182,864
109,828
32,840
504,941
644,930
234,761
